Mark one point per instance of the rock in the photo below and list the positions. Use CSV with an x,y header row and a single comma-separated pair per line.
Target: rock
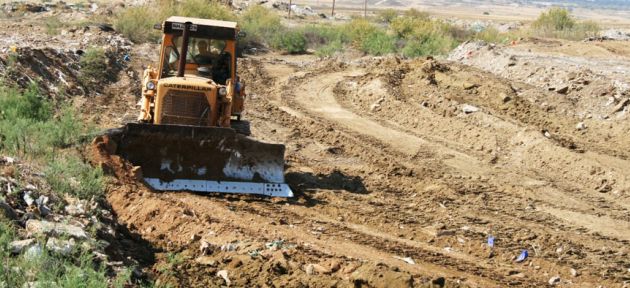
x,y
229,247
440,281
205,248
574,272
505,97
33,252
375,107
7,211
206,260
321,269
335,265
469,109
562,89
63,247
468,85
622,104
224,274
580,126
406,259
554,280
18,246
74,210
54,229
195,237
309,269
438,231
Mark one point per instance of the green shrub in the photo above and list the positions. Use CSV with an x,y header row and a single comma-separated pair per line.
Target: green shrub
x,y
260,24
70,175
492,35
53,24
322,35
136,23
329,49
93,65
49,269
387,15
358,30
291,41
414,13
203,9
27,125
559,23
379,43
29,104
555,19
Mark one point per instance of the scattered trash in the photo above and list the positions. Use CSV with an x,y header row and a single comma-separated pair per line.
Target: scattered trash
x,y
406,259
491,241
127,57
554,280
229,247
522,257
469,109
275,244
254,253
224,274
28,199
580,126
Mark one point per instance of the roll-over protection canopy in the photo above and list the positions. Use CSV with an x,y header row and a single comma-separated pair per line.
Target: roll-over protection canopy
x,y
202,28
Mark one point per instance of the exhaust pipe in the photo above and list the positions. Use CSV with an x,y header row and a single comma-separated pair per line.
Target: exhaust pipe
x,y
184,51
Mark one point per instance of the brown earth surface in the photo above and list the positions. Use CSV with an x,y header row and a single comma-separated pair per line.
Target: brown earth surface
x,y
402,168
386,165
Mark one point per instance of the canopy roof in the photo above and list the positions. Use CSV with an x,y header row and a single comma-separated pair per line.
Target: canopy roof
x,y
202,28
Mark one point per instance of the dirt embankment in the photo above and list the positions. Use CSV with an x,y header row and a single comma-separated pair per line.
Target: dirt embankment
x,y
403,158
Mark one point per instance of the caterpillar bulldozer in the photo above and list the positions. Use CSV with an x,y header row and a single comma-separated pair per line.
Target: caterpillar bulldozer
x,y
189,135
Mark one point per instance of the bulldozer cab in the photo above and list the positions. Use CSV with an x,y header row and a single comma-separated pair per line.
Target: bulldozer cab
x,y
211,48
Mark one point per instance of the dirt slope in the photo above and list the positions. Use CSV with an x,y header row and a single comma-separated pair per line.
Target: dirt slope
x,y
386,164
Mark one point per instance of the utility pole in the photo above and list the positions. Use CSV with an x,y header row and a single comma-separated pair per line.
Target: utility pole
x,y
332,14
289,9
365,9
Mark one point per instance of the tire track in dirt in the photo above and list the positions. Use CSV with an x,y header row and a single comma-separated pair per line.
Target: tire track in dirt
x,y
336,109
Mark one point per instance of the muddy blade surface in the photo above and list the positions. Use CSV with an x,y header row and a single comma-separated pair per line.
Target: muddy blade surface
x,y
175,157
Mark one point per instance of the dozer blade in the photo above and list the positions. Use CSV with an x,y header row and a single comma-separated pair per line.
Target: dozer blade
x,y
204,159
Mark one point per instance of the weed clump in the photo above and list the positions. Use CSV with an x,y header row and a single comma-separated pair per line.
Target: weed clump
x,y
93,65
292,42
559,23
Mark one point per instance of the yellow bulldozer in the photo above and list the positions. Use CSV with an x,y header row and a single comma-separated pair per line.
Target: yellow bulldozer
x,y
190,135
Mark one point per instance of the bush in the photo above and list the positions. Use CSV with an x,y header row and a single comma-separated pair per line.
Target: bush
x,y
379,43
202,9
292,42
329,49
322,35
559,23
72,176
358,30
387,15
492,35
555,19
136,23
27,125
260,24
93,65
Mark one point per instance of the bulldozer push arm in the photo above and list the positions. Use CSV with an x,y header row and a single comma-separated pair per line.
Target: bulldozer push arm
x,y
203,159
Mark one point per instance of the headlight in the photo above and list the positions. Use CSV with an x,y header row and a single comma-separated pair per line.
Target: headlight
x,y
222,91
150,85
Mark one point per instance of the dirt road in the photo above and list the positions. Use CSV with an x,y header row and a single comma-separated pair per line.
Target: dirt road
x,y
387,164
